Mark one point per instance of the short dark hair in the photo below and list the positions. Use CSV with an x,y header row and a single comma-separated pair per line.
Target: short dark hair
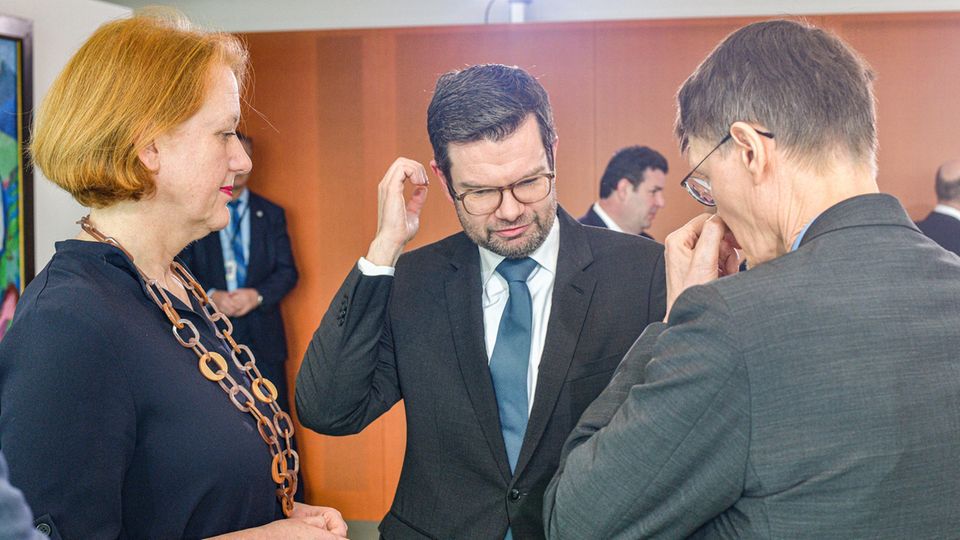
x,y
802,83
486,102
948,189
630,163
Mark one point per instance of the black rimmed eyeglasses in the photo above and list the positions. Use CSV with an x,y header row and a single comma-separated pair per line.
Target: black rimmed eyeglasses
x,y
483,201
699,188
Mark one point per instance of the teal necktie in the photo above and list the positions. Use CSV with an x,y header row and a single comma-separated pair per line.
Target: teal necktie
x,y
236,242
511,355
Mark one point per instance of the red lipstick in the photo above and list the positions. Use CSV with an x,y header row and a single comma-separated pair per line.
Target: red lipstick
x,y
228,190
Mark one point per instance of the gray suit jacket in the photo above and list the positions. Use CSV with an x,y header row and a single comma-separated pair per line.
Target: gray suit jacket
x,y
815,396
419,337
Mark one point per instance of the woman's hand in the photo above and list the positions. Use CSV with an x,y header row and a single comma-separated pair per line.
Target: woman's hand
x,y
314,523
331,518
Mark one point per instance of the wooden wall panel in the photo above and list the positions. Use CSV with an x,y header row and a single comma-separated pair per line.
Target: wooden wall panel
x,y
335,108
639,69
917,62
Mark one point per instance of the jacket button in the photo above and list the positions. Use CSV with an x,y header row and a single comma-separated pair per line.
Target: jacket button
x,y
514,494
44,529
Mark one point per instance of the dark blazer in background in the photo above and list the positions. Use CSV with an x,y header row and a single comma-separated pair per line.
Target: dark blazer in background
x,y
593,219
815,396
270,270
419,337
942,229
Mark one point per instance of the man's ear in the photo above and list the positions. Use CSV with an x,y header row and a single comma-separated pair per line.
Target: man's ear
x,y
150,157
752,149
624,187
446,183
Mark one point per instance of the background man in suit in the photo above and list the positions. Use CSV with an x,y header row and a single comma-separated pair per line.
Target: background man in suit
x,y
496,338
249,268
631,191
818,394
943,224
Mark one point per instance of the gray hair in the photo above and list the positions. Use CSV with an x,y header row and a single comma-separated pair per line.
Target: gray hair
x,y
804,84
486,102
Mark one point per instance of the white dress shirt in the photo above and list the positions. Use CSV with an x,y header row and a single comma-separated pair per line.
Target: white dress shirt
x,y
540,283
607,220
496,293
947,210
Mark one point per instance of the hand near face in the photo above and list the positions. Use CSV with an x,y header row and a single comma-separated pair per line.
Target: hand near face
x,y
697,253
398,220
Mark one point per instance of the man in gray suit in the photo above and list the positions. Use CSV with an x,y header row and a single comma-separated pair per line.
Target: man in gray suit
x,y
816,395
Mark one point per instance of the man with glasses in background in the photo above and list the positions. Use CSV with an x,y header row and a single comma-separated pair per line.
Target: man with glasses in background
x,y
496,338
818,394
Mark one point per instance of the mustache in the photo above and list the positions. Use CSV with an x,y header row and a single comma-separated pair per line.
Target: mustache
x,y
519,222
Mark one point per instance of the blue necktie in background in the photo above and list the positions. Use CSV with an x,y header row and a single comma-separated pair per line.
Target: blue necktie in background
x,y
236,242
511,355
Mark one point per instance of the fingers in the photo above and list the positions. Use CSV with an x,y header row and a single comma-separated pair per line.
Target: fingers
x,y
729,256
417,199
335,522
329,530
706,254
401,170
686,237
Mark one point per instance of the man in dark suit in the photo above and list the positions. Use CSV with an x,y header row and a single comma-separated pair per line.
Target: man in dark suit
x,y
943,224
631,191
248,268
496,338
815,396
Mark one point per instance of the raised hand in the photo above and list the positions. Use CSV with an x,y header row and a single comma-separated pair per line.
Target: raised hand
x,y
398,220
697,253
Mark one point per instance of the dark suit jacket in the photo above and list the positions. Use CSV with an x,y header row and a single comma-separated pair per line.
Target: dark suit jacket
x,y
419,337
942,229
815,396
593,219
271,271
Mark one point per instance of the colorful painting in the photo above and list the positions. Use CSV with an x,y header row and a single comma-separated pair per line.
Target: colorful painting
x,y
16,253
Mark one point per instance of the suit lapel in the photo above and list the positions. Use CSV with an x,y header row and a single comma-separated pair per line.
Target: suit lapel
x,y
572,291
258,232
463,292
212,261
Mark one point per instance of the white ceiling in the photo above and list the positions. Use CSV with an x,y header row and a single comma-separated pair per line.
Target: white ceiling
x,y
265,15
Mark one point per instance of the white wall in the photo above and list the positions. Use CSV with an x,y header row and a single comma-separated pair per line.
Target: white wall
x,y
263,15
59,28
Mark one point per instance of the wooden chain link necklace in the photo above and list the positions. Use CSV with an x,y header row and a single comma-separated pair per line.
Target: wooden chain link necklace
x,y
286,461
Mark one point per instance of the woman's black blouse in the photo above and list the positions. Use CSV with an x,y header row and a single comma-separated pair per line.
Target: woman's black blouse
x,y
108,426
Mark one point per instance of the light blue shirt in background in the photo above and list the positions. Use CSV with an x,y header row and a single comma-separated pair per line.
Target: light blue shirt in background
x,y
227,234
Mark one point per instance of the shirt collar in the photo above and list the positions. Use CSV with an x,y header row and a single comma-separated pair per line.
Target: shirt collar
x,y
546,256
948,210
612,225
803,231
244,198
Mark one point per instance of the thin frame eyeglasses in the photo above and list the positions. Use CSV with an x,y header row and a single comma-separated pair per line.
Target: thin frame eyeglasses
x,y
699,188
